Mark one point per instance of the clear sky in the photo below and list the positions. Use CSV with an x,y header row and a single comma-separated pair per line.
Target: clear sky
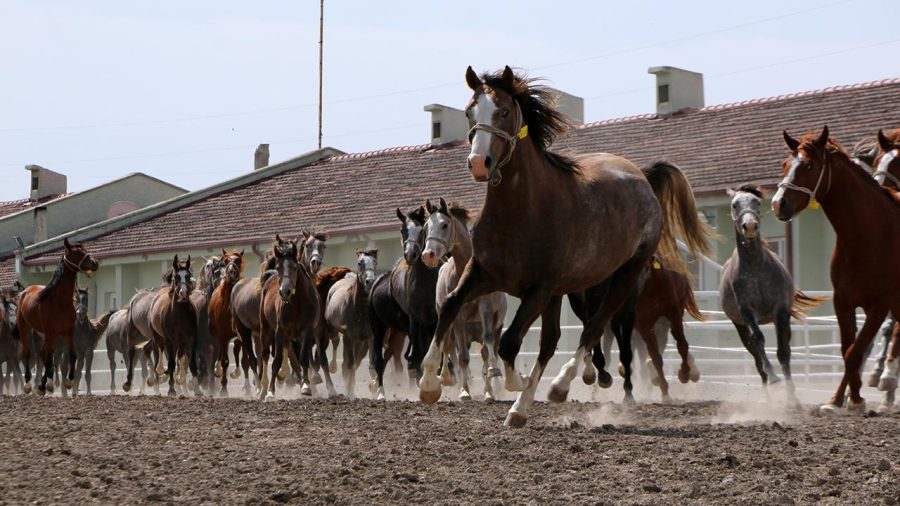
x,y
184,91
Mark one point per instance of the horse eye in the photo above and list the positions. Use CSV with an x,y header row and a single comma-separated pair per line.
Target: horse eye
x,y
444,225
809,167
505,112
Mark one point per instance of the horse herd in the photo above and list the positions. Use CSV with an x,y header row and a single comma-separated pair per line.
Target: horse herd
x,y
613,229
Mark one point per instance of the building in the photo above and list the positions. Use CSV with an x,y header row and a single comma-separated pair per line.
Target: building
x,y
51,211
353,196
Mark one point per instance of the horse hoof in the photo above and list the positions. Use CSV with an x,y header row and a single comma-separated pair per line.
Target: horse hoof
x,y
621,370
831,409
589,376
172,393
494,372
628,399
69,383
269,397
465,396
223,393
332,367
773,379
218,371
654,379
42,390
515,420
604,379
885,408
666,399
380,396
684,375
695,375
126,387
27,388
49,388
856,408
557,394
305,390
488,397
235,374
887,383
315,379
373,386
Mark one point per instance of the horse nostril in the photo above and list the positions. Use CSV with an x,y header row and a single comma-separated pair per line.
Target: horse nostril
x,y
488,161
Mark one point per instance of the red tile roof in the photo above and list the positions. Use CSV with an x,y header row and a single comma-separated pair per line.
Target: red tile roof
x,y
717,146
13,206
7,271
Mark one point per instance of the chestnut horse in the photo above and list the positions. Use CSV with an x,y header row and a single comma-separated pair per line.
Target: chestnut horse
x,y
288,312
220,324
887,163
664,297
862,213
605,217
49,312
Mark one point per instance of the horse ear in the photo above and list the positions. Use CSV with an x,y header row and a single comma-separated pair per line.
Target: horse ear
x,y
444,208
66,243
188,263
730,192
241,254
884,142
306,233
472,79
278,238
508,75
791,142
223,254
401,215
429,206
822,141
175,262
374,253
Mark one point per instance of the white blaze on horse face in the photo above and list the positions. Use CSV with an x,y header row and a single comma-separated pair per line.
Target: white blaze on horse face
x,y
439,230
789,178
483,113
884,163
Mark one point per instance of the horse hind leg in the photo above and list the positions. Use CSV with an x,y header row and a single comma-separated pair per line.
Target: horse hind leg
x,y
783,333
755,342
648,334
875,377
888,380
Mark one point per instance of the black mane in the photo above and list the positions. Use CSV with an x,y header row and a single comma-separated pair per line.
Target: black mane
x,y
545,122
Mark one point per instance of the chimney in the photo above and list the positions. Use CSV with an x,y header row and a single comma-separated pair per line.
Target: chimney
x,y
45,182
40,224
261,157
447,124
570,105
677,89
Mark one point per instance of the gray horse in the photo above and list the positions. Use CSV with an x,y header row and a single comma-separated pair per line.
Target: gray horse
x,y
117,341
85,336
757,289
347,312
207,347
447,233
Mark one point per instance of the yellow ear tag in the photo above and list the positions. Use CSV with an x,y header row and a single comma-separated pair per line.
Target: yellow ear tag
x,y
657,265
814,204
523,132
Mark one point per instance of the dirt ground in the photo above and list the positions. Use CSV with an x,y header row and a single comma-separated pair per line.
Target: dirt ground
x,y
150,449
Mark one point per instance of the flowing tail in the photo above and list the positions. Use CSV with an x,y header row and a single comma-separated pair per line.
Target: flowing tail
x,y
803,303
690,305
679,214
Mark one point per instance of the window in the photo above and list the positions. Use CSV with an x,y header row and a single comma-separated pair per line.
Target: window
x,y
111,301
436,130
662,93
779,246
34,182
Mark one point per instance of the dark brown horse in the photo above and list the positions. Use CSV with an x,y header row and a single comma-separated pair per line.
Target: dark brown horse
x,y
9,345
288,312
49,312
220,324
862,213
174,320
604,216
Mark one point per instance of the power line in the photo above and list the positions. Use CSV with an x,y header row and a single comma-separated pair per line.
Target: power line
x,y
213,150
424,88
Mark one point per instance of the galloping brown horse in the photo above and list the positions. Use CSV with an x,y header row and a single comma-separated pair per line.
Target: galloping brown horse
x,y
48,310
862,213
174,321
220,322
288,312
604,216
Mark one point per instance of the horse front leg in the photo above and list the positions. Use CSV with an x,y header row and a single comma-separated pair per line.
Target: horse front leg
x,y
888,381
24,361
783,333
648,334
550,333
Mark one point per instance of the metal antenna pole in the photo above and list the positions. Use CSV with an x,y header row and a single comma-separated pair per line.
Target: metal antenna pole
x,y
321,37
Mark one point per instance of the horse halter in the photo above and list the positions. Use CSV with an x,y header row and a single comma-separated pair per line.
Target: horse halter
x,y
882,169
813,202
72,265
512,140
